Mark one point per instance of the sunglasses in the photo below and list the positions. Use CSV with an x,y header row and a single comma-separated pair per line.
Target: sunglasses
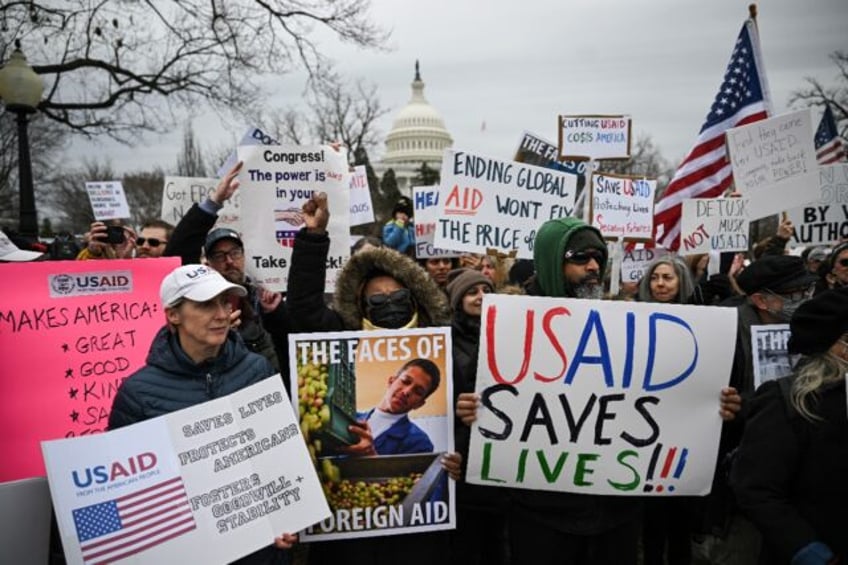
x,y
233,254
843,262
400,295
151,241
583,257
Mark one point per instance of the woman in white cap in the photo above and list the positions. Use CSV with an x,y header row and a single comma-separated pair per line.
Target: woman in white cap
x,y
195,358
790,471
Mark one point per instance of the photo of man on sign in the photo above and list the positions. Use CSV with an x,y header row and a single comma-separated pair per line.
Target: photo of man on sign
x,y
374,410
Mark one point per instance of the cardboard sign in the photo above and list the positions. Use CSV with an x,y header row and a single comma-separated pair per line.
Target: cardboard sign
x,y
253,136
594,137
533,150
825,220
381,383
361,209
635,262
587,396
774,162
108,201
487,203
426,202
275,183
76,330
622,207
179,193
207,484
770,348
714,224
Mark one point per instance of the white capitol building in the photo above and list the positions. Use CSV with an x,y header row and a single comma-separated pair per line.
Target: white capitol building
x,y
418,135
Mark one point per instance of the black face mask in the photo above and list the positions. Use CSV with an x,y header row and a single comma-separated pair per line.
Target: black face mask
x,y
393,310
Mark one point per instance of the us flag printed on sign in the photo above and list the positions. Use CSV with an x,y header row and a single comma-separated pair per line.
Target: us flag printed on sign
x,y
116,529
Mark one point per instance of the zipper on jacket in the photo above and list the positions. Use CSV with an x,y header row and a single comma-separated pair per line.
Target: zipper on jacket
x,y
209,385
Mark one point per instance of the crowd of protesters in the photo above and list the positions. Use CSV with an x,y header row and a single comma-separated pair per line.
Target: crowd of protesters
x,y
779,489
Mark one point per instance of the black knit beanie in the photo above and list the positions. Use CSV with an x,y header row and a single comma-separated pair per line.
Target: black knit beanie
x,y
819,322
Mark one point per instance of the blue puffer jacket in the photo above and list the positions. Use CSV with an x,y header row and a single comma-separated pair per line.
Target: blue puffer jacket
x,y
171,381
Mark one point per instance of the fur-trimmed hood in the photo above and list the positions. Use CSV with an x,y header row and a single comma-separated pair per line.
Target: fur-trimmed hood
x,y
431,301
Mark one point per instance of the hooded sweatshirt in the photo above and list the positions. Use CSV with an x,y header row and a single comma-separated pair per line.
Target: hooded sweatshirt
x,y
552,241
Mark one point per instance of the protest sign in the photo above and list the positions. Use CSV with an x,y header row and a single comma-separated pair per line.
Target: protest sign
x,y
179,193
594,137
825,220
770,347
108,201
588,396
622,207
76,331
275,183
253,136
426,202
206,484
361,209
714,224
774,162
635,262
533,150
487,204
382,382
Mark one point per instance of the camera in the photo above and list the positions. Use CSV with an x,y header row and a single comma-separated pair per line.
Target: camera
x,y
115,234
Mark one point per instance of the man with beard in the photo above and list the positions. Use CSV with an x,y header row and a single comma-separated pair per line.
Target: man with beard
x,y
152,238
558,527
570,258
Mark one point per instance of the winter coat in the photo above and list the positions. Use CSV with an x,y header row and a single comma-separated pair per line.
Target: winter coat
x,y
171,381
305,293
789,474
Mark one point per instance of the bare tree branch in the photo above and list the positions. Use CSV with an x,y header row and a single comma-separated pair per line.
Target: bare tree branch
x,y
108,65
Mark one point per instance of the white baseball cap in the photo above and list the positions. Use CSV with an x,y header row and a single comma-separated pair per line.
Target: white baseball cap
x,y
12,253
195,282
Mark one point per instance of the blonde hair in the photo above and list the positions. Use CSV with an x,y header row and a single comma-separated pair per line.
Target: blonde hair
x,y
813,373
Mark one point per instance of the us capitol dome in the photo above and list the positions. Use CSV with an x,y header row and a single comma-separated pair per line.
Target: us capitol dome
x,y
418,135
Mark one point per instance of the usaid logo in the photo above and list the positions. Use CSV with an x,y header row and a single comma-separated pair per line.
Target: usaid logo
x,y
110,472
85,284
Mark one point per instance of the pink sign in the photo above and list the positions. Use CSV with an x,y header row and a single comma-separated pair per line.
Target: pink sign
x,y
70,333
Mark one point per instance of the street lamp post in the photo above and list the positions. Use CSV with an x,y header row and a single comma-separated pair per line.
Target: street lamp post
x,y
21,89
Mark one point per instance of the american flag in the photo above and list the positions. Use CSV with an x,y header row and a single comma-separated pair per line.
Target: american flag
x,y
705,172
113,530
829,147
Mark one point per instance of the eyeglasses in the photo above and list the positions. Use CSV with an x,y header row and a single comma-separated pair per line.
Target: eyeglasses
x,y
151,241
795,295
233,254
400,295
583,257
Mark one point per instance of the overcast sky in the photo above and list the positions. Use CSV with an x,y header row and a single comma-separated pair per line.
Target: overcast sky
x,y
517,65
